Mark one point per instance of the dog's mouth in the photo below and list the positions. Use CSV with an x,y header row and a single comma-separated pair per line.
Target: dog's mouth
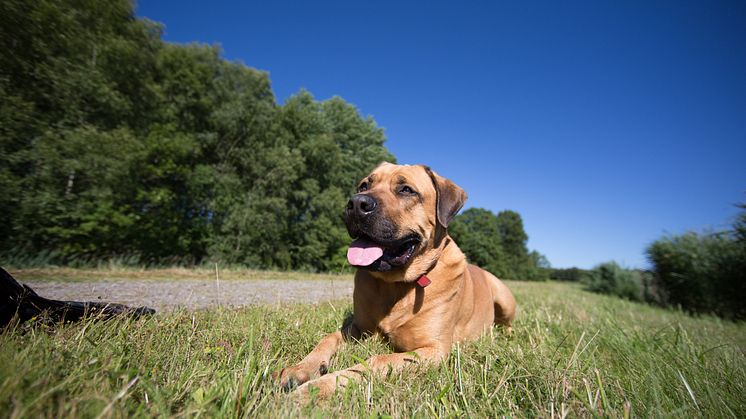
x,y
366,253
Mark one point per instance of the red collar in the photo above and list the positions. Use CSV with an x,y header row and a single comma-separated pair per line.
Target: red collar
x,y
424,281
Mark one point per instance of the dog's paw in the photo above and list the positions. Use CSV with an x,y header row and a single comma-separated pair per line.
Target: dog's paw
x,y
292,377
317,389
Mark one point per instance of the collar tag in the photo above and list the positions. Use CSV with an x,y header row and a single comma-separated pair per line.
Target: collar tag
x,y
424,281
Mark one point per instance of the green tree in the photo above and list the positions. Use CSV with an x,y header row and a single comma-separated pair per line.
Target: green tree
x,y
71,109
512,235
114,142
477,234
498,243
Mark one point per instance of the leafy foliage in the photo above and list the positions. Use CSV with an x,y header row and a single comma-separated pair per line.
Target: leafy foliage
x,y
573,274
610,278
114,142
699,273
117,145
497,243
702,273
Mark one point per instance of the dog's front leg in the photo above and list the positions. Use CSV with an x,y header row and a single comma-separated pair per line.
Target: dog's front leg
x,y
316,363
376,365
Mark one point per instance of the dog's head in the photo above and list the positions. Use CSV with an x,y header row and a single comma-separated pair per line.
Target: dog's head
x,y
399,214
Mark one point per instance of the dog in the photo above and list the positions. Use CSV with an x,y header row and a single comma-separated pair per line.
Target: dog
x,y
413,285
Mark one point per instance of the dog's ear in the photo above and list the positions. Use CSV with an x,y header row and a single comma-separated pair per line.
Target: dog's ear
x,y
449,198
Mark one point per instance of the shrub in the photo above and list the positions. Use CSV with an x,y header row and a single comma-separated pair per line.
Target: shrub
x,y
702,273
568,274
610,278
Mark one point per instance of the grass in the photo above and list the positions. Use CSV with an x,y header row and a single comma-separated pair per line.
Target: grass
x,y
572,353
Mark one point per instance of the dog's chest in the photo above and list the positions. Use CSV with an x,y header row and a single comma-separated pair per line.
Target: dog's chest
x,y
397,317
394,316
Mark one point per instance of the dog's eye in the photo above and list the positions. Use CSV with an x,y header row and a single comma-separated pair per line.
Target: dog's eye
x,y
406,190
363,187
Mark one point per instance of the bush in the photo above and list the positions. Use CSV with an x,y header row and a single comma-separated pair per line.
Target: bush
x,y
702,273
568,274
610,278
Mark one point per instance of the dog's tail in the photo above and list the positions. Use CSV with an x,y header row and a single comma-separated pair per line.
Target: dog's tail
x,y
20,299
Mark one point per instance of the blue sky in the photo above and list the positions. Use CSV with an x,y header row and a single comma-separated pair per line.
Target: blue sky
x,y
604,124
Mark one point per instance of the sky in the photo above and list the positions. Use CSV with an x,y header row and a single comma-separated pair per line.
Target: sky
x,y
606,125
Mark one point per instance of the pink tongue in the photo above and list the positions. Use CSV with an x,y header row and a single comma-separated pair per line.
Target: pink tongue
x,y
363,253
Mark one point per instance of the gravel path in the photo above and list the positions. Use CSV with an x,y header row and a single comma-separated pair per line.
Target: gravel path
x,y
167,295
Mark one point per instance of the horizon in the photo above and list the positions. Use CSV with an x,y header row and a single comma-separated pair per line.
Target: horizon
x,y
604,126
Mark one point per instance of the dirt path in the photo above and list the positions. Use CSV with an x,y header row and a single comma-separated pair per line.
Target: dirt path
x,y
166,295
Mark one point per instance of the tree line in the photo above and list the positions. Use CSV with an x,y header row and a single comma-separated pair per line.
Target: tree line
x,y
114,142
117,144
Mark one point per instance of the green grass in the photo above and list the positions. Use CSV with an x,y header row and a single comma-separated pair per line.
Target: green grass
x,y
572,353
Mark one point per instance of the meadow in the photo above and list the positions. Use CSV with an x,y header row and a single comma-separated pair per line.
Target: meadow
x,y
572,353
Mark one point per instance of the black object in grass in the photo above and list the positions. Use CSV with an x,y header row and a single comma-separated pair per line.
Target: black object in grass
x,y
20,299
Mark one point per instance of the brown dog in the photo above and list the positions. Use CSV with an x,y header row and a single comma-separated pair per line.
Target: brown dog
x,y
413,285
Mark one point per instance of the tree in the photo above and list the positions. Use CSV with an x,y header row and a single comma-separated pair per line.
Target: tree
x,y
477,235
498,243
512,235
72,108
113,142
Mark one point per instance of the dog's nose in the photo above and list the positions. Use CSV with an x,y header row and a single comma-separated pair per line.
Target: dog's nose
x,y
361,205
